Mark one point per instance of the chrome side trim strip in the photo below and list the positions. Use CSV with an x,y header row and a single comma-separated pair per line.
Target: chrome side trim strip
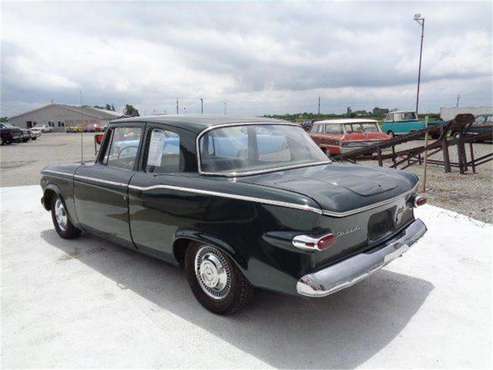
x,y
237,174
56,173
79,177
107,182
230,196
370,206
248,173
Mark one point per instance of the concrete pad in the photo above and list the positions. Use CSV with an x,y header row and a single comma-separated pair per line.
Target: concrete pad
x,y
88,303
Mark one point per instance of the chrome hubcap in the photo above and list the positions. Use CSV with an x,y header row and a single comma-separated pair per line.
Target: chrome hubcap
x,y
213,272
60,214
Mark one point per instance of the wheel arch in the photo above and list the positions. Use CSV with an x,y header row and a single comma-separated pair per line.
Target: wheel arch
x,y
49,192
185,238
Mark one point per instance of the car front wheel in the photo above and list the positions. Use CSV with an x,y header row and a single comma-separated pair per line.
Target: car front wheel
x,y
61,221
215,280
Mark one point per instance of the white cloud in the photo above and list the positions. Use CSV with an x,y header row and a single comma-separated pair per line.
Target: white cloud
x,y
261,58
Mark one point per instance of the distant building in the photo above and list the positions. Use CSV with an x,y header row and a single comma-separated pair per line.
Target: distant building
x,y
62,116
360,113
449,113
380,111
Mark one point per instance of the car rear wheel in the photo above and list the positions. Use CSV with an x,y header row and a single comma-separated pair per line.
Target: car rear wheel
x,y
61,221
215,280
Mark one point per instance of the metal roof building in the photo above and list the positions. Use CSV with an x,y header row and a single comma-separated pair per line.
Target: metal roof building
x,y
62,116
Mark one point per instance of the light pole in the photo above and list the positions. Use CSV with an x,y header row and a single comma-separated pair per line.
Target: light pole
x,y
421,21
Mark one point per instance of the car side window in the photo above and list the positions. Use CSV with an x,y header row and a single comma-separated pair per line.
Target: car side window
x,y
164,153
333,129
123,147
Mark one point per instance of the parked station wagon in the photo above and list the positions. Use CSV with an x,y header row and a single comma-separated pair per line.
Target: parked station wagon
x,y
336,136
240,203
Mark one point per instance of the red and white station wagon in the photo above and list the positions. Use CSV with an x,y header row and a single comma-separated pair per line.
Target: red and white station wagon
x,y
343,135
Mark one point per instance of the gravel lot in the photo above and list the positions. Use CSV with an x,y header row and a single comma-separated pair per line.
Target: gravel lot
x,y
468,194
20,164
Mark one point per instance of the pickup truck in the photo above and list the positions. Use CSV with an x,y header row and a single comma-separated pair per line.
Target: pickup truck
x,y
402,123
10,134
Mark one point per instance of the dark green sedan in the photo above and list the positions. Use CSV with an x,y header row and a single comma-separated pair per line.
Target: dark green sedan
x,y
240,203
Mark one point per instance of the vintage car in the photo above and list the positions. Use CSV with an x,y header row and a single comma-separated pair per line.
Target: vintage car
x,y
336,136
483,124
240,203
403,123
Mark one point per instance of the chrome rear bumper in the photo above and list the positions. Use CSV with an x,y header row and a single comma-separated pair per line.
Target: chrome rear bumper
x,y
352,270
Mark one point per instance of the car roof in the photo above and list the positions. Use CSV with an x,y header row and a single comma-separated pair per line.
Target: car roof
x,y
347,120
197,123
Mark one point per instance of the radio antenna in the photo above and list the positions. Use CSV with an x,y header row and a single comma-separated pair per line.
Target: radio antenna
x,y
81,131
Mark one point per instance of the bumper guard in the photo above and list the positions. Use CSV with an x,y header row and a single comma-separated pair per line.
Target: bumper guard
x,y
352,270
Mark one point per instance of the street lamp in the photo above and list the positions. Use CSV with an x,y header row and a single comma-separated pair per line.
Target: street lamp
x,y
421,21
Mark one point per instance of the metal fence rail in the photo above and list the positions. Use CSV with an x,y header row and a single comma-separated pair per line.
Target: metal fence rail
x,y
454,132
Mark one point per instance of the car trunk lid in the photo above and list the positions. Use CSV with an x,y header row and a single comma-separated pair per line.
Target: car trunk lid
x,y
339,188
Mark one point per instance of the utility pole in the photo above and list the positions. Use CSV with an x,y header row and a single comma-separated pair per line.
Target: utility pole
x,y
427,119
421,21
201,105
177,107
81,131
458,100
319,105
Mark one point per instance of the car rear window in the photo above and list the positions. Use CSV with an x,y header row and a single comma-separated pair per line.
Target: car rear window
x,y
251,148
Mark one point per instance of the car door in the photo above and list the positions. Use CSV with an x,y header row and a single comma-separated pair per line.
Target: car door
x,y
156,205
101,190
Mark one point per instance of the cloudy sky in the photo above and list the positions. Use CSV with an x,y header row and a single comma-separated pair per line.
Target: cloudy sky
x,y
260,58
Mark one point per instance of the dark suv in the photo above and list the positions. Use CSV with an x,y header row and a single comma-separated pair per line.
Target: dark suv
x,y
9,133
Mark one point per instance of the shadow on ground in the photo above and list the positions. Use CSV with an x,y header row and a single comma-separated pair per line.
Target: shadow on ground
x,y
340,331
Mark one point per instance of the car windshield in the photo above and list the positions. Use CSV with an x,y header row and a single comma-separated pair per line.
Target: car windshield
x,y
361,127
252,148
7,125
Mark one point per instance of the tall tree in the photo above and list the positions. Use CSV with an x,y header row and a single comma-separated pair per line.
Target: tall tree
x,y
130,111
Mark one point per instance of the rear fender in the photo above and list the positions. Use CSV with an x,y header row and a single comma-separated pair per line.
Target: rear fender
x,y
212,240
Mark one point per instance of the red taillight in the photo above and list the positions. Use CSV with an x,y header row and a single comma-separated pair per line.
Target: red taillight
x,y
326,241
309,243
419,201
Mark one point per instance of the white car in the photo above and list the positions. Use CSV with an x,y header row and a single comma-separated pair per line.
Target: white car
x,y
37,130
42,128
